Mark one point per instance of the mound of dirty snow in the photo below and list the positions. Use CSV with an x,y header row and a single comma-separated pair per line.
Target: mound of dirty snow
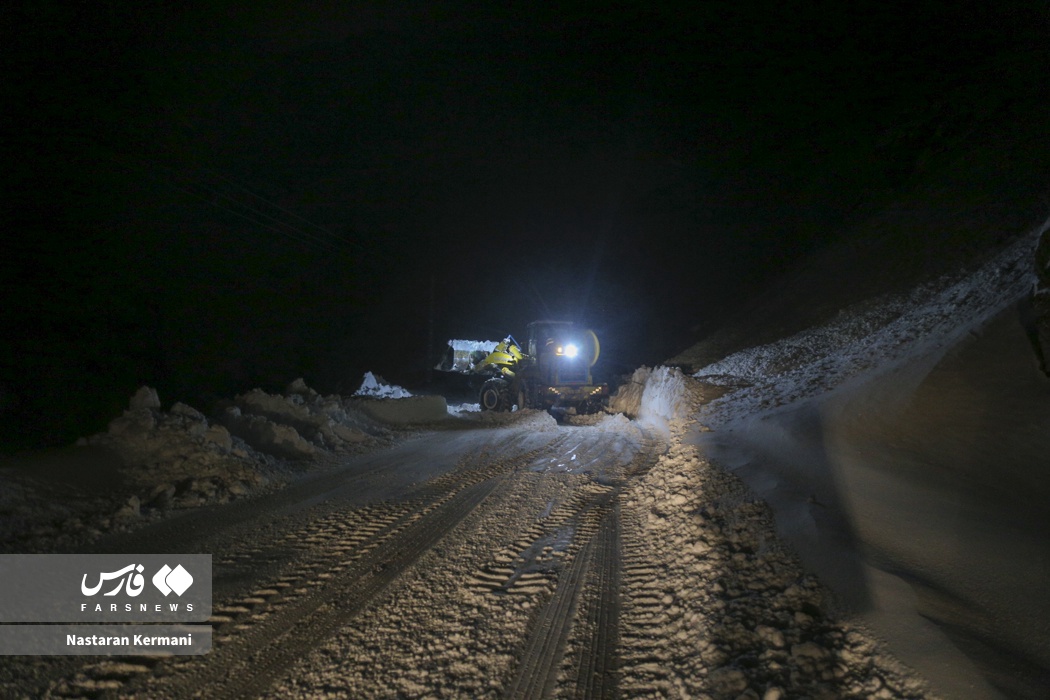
x,y
300,424
667,396
540,421
150,461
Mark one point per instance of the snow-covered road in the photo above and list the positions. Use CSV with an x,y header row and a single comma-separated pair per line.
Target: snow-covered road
x,y
519,560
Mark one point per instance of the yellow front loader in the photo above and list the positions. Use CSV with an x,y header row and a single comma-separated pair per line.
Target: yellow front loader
x,y
552,371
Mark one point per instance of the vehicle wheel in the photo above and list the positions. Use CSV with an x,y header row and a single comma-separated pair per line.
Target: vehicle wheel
x,y
523,397
493,395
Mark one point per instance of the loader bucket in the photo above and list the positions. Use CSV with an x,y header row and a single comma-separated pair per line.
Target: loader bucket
x,y
460,356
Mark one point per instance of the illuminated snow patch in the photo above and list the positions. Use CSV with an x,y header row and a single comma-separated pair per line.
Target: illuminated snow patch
x,y
664,397
473,345
377,387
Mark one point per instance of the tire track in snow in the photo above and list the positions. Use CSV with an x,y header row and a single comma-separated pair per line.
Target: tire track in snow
x,y
538,672
598,657
349,558
534,558
585,607
315,618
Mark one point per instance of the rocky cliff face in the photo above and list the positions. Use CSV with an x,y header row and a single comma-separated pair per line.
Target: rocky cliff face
x,y
1041,298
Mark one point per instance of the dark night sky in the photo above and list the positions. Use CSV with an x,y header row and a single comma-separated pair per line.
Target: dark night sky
x,y
210,200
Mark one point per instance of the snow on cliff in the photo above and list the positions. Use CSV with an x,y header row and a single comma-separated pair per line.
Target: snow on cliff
x,y
871,337
902,447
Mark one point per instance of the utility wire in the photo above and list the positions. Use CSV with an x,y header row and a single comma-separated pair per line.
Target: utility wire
x,y
320,229
212,197
227,203
222,198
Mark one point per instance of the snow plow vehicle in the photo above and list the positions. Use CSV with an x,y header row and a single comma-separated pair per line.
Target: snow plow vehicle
x,y
553,371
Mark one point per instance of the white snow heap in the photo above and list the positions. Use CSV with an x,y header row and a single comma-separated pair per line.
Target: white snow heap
x,y
665,397
463,349
464,408
473,345
628,397
377,387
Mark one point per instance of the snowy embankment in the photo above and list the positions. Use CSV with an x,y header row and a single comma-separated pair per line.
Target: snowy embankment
x,y
150,461
871,338
656,397
903,449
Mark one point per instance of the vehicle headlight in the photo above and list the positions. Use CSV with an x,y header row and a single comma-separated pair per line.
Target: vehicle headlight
x,y
571,350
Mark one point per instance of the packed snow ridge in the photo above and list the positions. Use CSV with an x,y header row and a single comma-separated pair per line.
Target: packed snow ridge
x,y
873,336
153,461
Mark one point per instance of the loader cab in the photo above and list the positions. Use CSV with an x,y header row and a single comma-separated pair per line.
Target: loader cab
x,y
543,335
562,353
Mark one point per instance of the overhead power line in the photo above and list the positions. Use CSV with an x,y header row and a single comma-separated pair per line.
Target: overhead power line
x,y
320,230
250,211
225,193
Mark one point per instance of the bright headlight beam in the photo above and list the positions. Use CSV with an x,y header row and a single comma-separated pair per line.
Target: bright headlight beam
x,y
571,350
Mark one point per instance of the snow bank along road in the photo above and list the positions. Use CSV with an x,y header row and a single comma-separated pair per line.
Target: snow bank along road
x,y
527,560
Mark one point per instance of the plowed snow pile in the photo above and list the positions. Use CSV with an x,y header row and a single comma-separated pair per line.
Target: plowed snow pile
x,y
903,449
730,613
150,462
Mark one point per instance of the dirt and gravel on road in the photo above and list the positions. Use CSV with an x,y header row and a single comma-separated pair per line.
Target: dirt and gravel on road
x,y
515,559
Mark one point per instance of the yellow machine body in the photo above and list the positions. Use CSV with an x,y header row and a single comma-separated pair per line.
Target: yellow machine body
x,y
504,358
553,371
